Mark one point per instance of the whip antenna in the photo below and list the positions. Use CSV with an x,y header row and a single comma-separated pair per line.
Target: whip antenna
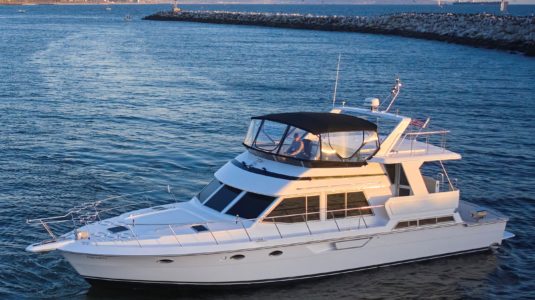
x,y
336,82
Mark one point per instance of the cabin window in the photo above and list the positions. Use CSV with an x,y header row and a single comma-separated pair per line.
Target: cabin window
x,y
405,224
343,205
356,200
293,210
445,219
251,205
313,208
208,190
336,205
430,221
424,222
222,198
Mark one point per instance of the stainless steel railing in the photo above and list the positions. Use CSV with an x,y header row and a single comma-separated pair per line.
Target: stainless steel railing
x,y
239,225
88,213
415,139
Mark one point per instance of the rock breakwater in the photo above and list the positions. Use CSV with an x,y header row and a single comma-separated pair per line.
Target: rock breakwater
x,y
512,33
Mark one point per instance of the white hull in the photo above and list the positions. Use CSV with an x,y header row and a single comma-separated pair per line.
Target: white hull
x,y
269,217
297,261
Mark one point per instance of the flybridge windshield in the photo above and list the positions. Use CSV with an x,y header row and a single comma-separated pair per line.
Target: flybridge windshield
x,y
324,137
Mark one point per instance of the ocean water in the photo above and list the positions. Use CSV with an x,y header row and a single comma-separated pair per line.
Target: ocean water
x,y
92,106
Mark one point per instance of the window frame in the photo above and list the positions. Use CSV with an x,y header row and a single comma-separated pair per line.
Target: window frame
x,y
221,184
417,222
240,197
223,209
345,192
281,199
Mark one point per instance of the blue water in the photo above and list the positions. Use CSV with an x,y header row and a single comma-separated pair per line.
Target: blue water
x,y
92,106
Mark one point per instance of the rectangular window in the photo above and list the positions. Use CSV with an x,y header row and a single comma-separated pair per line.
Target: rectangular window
x,y
343,205
430,221
251,205
289,206
336,205
445,219
296,209
313,208
222,198
356,200
405,224
208,190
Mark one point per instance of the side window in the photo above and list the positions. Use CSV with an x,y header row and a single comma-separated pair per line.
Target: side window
x,y
424,222
293,210
251,205
343,205
356,200
222,198
208,190
289,206
336,204
313,208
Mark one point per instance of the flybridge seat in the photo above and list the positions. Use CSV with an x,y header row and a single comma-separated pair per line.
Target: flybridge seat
x,y
313,139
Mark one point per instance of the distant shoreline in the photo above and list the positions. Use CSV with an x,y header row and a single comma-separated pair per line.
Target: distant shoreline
x,y
80,4
233,4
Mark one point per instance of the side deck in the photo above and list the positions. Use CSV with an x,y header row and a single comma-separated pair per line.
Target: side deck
x,y
473,214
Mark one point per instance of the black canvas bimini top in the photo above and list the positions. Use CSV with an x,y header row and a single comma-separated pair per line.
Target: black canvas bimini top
x,y
319,122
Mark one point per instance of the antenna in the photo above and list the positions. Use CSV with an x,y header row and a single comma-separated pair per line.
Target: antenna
x,y
394,94
336,82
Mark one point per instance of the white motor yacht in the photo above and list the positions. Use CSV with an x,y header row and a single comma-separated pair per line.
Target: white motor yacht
x,y
313,194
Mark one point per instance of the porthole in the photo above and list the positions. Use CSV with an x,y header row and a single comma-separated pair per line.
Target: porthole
x,y
275,253
165,261
237,257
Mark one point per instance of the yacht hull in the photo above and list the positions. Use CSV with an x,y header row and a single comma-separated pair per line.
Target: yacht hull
x,y
297,261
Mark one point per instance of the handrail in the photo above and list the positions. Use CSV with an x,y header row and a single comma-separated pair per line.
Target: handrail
x,y
89,212
413,136
79,214
85,205
418,133
328,211
247,234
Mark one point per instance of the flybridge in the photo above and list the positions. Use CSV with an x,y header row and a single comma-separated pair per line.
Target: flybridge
x,y
313,139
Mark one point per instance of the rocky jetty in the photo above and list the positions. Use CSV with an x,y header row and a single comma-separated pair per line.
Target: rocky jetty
x,y
510,33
